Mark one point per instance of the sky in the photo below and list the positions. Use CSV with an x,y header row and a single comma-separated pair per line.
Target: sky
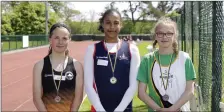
x,y
87,8
98,7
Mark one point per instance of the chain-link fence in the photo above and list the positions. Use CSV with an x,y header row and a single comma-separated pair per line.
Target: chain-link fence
x,y
201,27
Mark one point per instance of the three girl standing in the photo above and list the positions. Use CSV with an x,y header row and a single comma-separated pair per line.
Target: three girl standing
x,y
110,71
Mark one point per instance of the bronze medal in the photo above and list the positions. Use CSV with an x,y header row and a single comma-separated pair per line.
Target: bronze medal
x,y
57,99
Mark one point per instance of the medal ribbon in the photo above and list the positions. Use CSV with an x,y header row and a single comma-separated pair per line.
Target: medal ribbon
x,y
165,86
58,87
115,60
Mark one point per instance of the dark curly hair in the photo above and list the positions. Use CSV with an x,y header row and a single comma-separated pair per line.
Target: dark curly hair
x,y
107,12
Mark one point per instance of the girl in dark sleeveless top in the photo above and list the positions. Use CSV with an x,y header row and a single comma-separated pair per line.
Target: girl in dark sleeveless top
x,y
58,78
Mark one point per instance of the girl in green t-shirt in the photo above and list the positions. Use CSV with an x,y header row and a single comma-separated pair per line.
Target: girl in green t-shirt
x,y
168,73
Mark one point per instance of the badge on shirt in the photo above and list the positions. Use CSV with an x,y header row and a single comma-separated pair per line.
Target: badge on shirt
x,y
102,62
58,77
69,75
123,57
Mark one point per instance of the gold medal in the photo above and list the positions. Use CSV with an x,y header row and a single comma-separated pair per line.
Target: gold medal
x,y
113,80
57,99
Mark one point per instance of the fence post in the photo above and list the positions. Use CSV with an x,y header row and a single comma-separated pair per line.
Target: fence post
x,y
16,42
199,36
192,31
46,21
25,41
9,45
2,46
183,29
217,27
32,41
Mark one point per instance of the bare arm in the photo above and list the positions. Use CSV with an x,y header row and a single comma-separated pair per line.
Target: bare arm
x,y
129,94
78,87
145,98
37,87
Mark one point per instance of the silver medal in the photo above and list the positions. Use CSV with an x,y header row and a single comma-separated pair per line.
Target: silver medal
x,y
165,97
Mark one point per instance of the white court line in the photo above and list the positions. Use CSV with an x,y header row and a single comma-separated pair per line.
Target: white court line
x,y
18,67
10,52
15,82
26,49
22,104
15,68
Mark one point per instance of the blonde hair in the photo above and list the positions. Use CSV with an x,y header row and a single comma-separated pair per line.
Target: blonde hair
x,y
166,20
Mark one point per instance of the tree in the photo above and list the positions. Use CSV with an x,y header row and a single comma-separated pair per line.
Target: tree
x,y
29,18
172,14
163,8
7,6
78,26
68,12
6,28
127,27
133,8
63,10
111,6
92,14
57,6
25,18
